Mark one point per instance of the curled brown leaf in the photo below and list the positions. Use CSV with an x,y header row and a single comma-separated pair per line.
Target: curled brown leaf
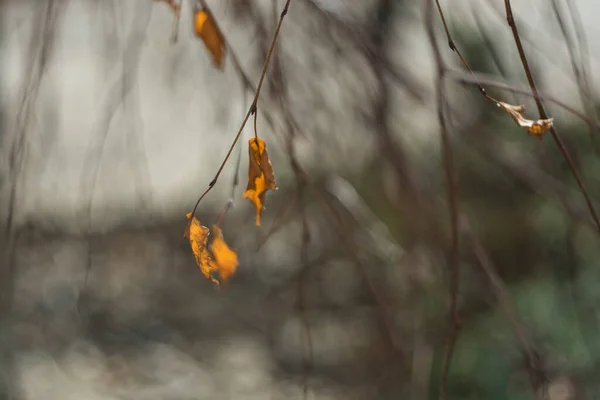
x,y
536,128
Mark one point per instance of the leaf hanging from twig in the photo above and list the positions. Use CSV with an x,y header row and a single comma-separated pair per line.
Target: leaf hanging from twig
x,y
226,260
206,29
220,259
535,128
198,237
260,175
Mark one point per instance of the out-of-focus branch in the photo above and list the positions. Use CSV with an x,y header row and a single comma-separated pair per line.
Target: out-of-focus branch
x,y
303,181
461,77
538,101
41,46
539,181
534,366
246,81
389,147
301,296
357,39
452,192
176,8
578,64
115,99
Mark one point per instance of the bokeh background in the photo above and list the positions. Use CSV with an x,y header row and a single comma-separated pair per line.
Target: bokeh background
x,y
110,132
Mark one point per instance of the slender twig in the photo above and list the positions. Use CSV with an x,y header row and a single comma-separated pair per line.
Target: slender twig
x,y
536,372
255,129
41,49
488,42
234,183
88,269
176,8
301,178
479,82
301,298
251,109
539,181
246,81
455,49
280,91
543,115
236,174
461,77
175,26
231,202
382,109
284,211
356,38
115,99
537,97
350,247
584,51
303,182
452,188
579,71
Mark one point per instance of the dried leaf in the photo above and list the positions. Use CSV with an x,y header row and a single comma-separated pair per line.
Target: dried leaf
x,y
198,237
226,260
260,175
206,29
220,259
536,128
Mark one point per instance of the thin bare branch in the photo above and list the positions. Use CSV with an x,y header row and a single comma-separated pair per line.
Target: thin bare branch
x,y
537,375
115,99
452,191
301,296
579,70
251,110
461,77
542,111
398,75
246,81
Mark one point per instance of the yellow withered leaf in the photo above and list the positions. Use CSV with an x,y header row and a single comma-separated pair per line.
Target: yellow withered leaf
x,y
220,259
260,175
226,260
536,128
207,30
198,237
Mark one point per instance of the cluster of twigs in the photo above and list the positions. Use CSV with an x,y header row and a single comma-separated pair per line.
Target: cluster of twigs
x,y
461,231
460,228
459,222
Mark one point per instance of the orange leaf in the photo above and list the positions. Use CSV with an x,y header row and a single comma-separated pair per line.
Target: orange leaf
x,y
260,175
222,259
536,128
207,30
198,237
226,260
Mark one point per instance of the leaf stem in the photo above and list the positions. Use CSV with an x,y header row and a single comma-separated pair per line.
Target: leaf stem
x,y
256,130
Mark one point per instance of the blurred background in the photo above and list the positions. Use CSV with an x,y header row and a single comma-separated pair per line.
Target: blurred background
x,y
111,131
